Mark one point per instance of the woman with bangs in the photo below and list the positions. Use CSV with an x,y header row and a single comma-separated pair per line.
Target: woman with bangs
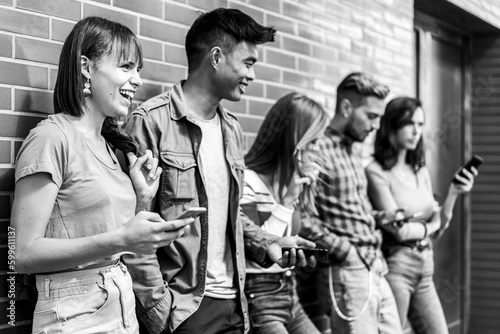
x,y
398,178
281,166
75,212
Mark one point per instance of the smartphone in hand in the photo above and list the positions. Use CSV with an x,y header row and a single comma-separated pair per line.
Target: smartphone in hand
x,y
192,212
320,254
475,162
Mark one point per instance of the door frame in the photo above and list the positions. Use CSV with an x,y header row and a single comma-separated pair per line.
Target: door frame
x,y
428,27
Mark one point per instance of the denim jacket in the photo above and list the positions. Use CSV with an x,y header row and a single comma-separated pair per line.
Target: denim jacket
x,y
170,284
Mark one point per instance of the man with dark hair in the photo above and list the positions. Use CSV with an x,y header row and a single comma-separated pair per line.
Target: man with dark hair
x,y
352,289
196,284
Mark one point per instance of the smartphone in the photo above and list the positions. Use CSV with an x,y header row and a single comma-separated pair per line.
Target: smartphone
x,y
191,212
475,162
407,218
320,254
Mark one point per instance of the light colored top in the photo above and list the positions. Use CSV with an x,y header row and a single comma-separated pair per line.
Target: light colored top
x,y
93,197
220,271
388,191
259,204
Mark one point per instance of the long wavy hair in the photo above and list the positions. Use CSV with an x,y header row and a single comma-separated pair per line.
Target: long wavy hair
x,y
398,113
282,145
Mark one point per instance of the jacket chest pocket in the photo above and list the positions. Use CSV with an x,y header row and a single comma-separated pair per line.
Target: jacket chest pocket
x,y
178,182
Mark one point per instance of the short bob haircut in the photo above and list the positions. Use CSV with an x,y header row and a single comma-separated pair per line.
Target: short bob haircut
x,y
223,27
293,122
398,113
358,85
93,37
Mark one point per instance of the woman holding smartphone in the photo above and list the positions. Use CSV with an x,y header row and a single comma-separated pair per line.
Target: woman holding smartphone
x,y
398,178
75,212
280,168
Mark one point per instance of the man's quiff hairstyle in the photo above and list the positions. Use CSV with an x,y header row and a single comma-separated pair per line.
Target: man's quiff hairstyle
x,y
362,85
223,27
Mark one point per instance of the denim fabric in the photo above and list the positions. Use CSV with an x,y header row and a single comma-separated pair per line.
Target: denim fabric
x,y
410,277
274,307
351,288
89,301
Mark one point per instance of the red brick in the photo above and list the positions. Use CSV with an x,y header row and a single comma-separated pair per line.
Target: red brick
x,y
296,79
36,50
26,100
327,22
4,207
249,124
312,66
23,75
300,13
5,101
264,72
325,54
255,89
6,43
24,23
53,77
281,24
275,92
208,4
257,15
295,45
239,107
350,58
126,19
259,108
5,149
61,8
180,14
350,30
162,31
340,11
270,5
17,147
61,29
362,49
333,71
163,72
312,33
175,55
151,49
277,58
148,7
338,41
6,179
147,91
17,125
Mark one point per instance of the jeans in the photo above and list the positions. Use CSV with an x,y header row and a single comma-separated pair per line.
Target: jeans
x,y
213,316
364,299
410,277
274,306
90,301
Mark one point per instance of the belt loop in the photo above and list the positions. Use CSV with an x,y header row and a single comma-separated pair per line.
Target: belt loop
x,y
47,288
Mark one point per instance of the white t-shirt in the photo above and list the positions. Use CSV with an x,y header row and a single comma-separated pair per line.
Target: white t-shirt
x,y
216,174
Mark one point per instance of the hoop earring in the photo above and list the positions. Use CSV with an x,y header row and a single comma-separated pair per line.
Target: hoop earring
x,y
86,89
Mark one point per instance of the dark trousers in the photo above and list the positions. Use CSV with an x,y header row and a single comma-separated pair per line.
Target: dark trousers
x,y
214,316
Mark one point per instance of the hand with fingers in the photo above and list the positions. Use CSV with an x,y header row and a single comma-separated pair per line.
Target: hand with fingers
x,y
145,175
147,232
294,256
466,180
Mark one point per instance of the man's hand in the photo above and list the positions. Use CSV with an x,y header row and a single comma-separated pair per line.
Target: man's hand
x,y
293,257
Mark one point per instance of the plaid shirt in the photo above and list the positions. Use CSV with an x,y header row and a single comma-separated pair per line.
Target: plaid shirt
x,y
344,212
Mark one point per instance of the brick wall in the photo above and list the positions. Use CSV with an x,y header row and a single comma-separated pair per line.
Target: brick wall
x,y
318,43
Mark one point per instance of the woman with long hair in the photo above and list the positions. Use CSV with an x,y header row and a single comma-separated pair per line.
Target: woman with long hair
x,y
399,178
75,211
281,166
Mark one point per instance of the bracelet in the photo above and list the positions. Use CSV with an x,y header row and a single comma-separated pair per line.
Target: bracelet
x,y
425,230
